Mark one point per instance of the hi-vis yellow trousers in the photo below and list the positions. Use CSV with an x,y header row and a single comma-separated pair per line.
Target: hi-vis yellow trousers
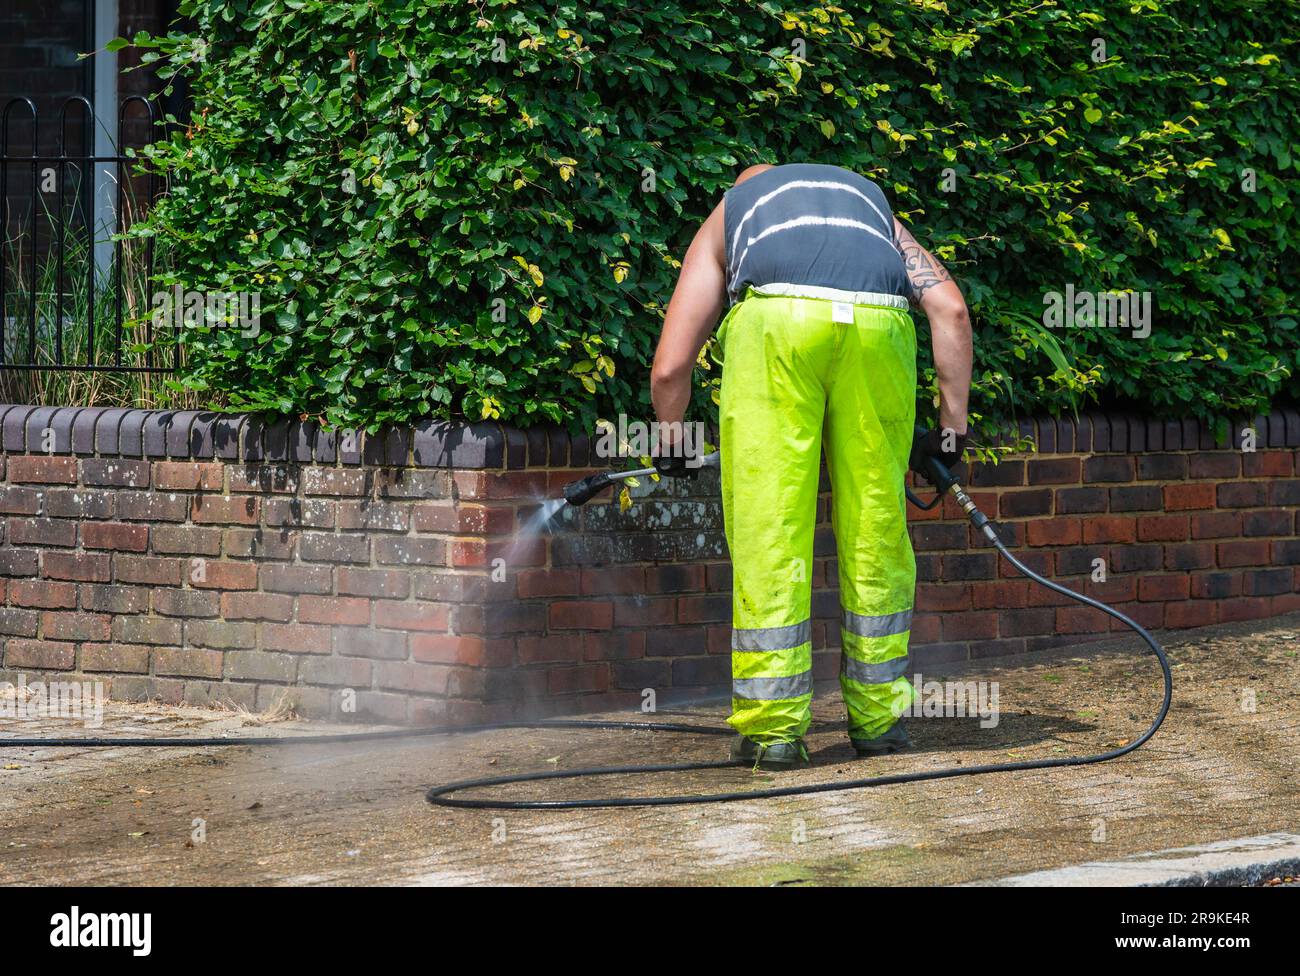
x,y
803,374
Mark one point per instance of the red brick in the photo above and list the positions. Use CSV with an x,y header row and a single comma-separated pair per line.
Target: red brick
x,y
1109,529
614,645
75,626
464,518
187,662
1216,525
1162,528
581,615
1193,613
1284,603
1116,589
132,658
549,649
1181,498
710,608
42,532
548,582
150,570
333,610
1218,465
1174,586
226,509
1233,554
1268,464
40,469
296,579
615,580
188,475
390,583
1245,608
42,593
257,606
516,484
937,597
1054,532
1003,594
586,677
121,536
465,553
224,575
460,649
645,611
1243,494
47,655
297,638
422,679
1080,620
1055,471
86,567
401,615
351,672
971,625
469,484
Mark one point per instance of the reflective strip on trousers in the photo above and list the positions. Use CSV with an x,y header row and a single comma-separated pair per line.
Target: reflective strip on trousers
x,y
874,672
772,689
771,638
884,625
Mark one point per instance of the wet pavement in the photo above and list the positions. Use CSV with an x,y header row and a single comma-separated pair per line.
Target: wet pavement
x,y
1223,766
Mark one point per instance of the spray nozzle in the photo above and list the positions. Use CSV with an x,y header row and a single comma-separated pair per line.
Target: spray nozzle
x,y
582,491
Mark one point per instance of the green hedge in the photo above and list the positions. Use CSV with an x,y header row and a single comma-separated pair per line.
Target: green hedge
x,y
438,233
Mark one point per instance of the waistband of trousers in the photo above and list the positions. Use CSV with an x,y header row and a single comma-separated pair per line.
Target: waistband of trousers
x,y
787,290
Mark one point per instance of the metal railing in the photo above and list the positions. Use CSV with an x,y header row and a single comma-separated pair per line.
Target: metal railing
x,y
64,289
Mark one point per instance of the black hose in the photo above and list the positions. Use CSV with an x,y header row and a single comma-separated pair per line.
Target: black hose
x,y
441,795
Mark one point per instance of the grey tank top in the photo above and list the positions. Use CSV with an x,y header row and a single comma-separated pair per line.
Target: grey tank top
x,y
810,224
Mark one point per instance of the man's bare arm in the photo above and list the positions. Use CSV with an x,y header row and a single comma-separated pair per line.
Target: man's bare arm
x,y
936,294
696,304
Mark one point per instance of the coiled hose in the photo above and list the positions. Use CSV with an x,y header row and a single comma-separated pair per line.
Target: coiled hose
x,y
442,795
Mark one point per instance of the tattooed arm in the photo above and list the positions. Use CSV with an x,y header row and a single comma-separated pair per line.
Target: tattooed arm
x,y
937,295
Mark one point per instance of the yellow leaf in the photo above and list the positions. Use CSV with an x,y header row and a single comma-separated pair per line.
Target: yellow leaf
x,y
535,314
624,500
827,127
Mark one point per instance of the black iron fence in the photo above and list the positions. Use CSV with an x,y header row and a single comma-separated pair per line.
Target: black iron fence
x,y
74,293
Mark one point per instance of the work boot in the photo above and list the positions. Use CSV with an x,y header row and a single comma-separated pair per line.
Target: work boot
x,y
774,755
894,739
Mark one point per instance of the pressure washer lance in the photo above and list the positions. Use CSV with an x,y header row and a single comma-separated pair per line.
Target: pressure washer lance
x,y
578,493
585,489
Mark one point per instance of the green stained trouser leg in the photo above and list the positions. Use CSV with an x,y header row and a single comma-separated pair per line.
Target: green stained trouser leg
x,y
788,367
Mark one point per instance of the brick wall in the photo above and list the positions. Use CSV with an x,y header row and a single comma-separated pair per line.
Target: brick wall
x,y
193,557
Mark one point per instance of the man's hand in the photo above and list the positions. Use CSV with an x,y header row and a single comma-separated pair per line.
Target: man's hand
x,y
675,466
946,444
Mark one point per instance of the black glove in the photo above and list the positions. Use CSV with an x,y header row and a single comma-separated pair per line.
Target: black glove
x,y
930,443
670,466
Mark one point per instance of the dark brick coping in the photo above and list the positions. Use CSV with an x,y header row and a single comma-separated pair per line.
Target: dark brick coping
x,y
206,435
